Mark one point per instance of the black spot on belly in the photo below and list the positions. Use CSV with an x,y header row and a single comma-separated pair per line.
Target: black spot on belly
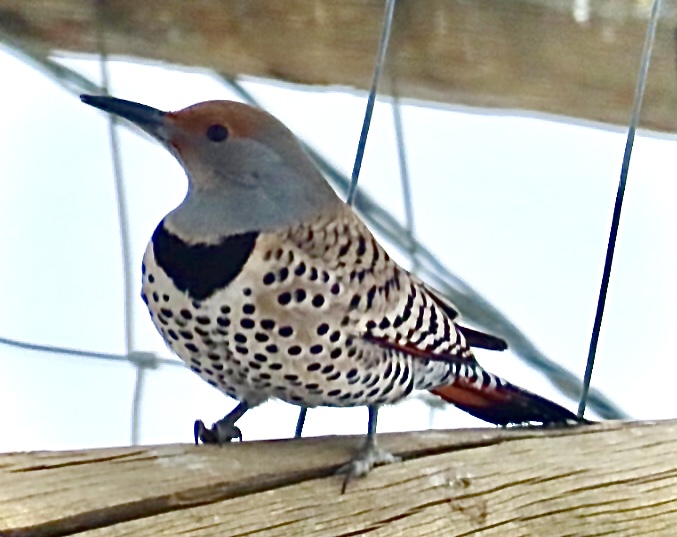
x,y
201,269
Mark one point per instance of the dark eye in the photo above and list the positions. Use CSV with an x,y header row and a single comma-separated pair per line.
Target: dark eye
x,y
217,133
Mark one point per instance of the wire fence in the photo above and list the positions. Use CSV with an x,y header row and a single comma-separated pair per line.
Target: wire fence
x,y
476,309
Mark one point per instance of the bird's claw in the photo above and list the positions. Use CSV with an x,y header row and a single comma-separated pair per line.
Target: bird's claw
x,y
368,456
220,432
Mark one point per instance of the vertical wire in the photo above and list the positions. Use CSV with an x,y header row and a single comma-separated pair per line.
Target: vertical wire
x,y
405,182
362,143
378,67
409,223
615,221
385,223
123,222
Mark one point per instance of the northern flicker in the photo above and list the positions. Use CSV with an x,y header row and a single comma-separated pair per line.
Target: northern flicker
x,y
268,286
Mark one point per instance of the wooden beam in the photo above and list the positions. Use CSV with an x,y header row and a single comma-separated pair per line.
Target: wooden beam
x,y
542,55
611,478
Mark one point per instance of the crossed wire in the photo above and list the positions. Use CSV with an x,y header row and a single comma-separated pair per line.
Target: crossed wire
x,y
380,219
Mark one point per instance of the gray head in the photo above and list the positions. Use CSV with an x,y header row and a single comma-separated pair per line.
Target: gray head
x,y
246,170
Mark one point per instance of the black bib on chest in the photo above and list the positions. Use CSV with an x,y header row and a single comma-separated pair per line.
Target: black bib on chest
x,y
201,269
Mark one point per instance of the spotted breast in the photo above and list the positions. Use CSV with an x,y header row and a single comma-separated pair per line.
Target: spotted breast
x,y
303,315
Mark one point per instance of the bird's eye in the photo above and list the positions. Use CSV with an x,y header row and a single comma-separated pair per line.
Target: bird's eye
x,y
217,133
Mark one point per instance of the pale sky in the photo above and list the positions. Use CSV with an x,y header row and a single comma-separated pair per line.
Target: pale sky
x,y
517,206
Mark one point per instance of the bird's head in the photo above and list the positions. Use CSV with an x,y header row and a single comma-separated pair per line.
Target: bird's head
x,y
246,170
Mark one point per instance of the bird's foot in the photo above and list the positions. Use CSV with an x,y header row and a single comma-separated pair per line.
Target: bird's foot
x,y
368,456
221,432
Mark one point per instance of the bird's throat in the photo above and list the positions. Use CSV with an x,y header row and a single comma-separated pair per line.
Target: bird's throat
x,y
201,269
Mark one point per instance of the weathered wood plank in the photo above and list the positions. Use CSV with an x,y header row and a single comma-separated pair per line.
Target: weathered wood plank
x,y
611,478
544,55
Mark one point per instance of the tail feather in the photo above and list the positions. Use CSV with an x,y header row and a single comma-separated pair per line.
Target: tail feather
x,y
503,403
475,338
481,340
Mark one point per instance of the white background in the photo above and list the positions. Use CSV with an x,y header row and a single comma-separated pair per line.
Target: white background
x,y
519,207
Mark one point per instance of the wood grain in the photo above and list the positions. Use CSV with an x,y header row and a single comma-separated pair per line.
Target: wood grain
x,y
538,55
611,478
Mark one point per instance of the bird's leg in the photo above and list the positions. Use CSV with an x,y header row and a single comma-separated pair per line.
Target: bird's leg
x,y
300,422
368,456
224,430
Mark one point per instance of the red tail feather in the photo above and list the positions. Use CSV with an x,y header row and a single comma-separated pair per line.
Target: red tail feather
x,y
503,404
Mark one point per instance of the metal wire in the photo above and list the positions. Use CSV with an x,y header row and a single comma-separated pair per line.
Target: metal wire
x,y
405,181
615,220
123,222
432,402
39,59
62,350
152,360
378,67
476,309
362,143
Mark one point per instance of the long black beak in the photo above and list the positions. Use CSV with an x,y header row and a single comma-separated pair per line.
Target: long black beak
x,y
150,119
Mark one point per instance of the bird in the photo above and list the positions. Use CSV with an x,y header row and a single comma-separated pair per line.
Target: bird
x,y
269,286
